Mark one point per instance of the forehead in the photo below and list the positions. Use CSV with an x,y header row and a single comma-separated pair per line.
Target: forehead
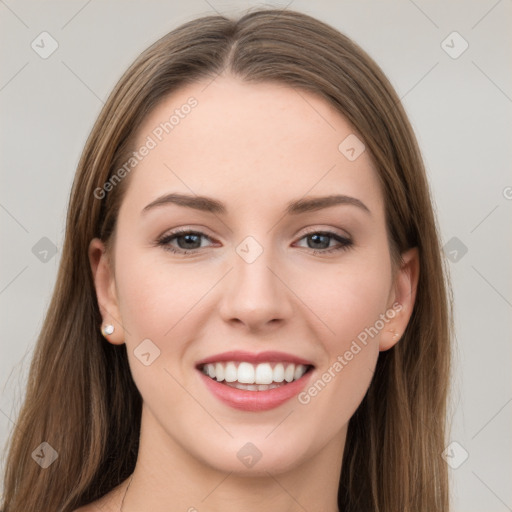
x,y
265,143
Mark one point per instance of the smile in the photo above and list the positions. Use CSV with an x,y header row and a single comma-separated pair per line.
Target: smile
x,y
252,377
254,382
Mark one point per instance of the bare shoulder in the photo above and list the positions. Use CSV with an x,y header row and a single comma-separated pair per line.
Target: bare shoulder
x,y
95,506
110,502
87,508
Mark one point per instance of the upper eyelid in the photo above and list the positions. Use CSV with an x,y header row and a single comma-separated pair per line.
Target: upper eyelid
x,y
184,231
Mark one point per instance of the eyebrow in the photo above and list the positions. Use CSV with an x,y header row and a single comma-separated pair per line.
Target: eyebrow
x,y
208,204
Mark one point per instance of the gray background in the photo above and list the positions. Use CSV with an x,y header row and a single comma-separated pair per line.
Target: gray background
x,y
460,109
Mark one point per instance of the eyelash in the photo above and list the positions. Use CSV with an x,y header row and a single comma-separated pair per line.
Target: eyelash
x,y
164,241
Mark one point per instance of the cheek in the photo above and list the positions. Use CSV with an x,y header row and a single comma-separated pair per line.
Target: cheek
x,y
349,297
352,309
156,303
352,306
154,298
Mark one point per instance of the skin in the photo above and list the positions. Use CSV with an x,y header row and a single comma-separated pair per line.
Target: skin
x,y
290,299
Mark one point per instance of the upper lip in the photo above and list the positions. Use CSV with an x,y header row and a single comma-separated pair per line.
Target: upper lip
x,y
254,358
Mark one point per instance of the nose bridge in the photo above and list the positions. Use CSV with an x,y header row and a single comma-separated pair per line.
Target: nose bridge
x,y
255,295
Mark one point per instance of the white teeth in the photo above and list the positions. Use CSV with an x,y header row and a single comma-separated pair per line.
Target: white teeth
x,y
219,372
258,377
246,373
264,374
230,372
289,373
300,369
278,372
253,387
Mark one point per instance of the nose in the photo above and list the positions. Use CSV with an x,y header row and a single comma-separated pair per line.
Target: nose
x,y
255,295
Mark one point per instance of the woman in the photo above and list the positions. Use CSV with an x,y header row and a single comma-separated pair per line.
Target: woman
x,y
251,309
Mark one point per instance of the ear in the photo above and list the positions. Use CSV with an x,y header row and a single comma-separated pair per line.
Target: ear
x,y
402,299
104,282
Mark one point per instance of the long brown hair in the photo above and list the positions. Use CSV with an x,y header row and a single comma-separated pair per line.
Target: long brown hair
x,y
81,398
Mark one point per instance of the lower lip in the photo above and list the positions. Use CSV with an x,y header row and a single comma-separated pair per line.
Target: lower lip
x,y
255,400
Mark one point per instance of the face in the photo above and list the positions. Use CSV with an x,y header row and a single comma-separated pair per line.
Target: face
x,y
288,299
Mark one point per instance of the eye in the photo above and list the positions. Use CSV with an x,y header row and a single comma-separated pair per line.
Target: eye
x,y
185,241
188,241
319,242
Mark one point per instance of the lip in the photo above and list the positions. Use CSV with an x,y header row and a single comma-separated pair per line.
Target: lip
x,y
255,400
249,357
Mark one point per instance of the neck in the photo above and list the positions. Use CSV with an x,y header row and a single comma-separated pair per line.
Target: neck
x,y
167,478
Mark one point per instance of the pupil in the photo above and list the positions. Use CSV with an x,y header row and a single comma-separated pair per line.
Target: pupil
x,y
188,239
191,239
316,238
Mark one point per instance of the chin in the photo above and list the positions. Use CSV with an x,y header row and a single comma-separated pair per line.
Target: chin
x,y
253,455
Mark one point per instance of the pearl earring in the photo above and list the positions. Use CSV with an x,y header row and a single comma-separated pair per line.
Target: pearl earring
x,y
107,329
